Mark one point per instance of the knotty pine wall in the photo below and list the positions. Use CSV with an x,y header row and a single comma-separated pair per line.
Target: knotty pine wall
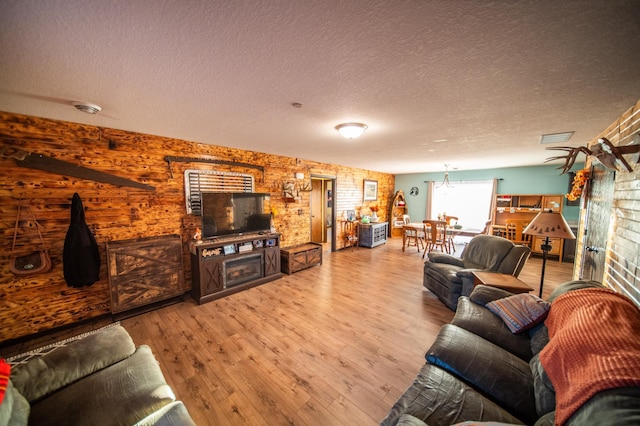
x,y
39,303
622,259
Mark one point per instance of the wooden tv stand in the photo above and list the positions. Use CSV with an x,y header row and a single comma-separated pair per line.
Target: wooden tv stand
x,y
228,265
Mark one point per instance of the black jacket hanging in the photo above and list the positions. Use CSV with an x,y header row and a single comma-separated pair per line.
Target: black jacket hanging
x,y
80,256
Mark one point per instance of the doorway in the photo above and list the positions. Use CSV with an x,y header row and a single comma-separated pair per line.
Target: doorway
x,y
323,210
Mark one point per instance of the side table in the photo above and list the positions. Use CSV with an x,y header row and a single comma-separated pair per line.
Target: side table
x,y
372,234
502,281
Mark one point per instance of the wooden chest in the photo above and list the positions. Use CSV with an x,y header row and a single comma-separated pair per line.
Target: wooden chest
x,y
144,271
297,258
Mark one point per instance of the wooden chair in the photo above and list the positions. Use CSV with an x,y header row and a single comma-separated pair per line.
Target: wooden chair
x,y
451,220
350,233
435,232
487,227
513,232
413,237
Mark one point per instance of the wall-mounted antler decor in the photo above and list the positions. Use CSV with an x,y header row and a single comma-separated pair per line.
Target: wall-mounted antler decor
x,y
604,151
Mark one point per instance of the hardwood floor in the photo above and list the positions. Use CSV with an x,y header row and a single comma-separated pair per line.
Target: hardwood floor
x,y
332,345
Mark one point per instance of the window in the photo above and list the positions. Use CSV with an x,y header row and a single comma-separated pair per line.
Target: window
x,y
469,201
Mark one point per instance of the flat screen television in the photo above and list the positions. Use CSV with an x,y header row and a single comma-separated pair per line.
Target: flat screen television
x,y
233,213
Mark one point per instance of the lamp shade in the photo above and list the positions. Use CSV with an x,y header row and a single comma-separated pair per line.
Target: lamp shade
x,y
549,224
351,130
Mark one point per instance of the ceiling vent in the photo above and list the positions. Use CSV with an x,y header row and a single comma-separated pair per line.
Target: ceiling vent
x,y
86,107
556,137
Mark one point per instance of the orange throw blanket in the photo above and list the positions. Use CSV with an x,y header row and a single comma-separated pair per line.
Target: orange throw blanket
x,y
594,345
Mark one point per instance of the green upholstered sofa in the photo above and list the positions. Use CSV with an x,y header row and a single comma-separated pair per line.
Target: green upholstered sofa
x,y
100,379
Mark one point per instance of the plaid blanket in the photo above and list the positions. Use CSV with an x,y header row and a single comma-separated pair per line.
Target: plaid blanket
x,y
594,346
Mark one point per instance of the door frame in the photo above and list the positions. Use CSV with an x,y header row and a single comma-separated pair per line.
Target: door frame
x,y
333,181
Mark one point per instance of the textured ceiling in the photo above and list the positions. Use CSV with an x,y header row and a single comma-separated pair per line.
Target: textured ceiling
x,y
473,84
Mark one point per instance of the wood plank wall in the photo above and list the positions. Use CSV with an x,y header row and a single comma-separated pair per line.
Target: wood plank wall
x,y
622,260
40,303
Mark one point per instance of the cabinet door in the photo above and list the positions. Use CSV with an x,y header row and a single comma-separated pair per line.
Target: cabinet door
x,y
211,277
271,261
553,202
314,256
144,271
555,243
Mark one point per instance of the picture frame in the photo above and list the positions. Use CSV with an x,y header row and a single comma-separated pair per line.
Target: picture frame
x,y
351,215
370,192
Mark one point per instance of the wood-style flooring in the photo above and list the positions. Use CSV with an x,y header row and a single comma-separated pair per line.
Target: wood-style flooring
x,y
335,344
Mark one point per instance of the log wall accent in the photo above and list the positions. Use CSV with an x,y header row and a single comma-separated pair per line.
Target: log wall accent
x,y
622,260
39,303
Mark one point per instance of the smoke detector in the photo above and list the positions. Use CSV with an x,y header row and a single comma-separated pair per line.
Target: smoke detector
x,y
87,107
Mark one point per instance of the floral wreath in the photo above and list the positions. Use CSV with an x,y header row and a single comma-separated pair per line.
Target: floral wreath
x,y
579,180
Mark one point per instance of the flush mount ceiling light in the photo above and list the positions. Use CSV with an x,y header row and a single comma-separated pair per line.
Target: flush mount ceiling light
x,y
351,130
87,107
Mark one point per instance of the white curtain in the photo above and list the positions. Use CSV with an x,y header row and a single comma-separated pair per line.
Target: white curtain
x,y
469,201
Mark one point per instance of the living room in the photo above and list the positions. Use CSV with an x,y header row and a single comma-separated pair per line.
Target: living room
x,y
38,304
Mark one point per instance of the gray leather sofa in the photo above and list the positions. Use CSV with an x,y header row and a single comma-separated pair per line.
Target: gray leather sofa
x,y
101,379
449,277
477,370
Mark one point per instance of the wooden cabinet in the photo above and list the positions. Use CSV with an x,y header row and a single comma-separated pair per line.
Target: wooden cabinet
x,y
300,257
526,207
144,271
398,210
373,234
230,265
556,244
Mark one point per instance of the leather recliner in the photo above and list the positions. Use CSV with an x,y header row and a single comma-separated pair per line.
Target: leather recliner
x,y
449,277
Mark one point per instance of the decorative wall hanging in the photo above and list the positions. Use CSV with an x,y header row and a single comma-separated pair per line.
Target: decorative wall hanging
x,y
580,178
370,190
171,159
291,189
604,151
33,263
33,160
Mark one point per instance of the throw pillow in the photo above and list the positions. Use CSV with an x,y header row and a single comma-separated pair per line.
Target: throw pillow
x,y
520,311
5,370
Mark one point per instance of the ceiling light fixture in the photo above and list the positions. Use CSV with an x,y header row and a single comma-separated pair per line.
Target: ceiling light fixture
x,y
351,130
87,107
445,182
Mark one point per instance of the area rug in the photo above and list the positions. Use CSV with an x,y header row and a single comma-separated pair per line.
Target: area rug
x,y
35,353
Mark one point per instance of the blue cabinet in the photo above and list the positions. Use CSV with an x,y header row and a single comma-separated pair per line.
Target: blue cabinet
x,y
373,234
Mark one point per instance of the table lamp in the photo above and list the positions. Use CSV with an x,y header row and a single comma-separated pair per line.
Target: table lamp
x,y
548,224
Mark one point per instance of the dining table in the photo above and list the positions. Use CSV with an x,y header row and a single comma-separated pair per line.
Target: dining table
x,y
419,226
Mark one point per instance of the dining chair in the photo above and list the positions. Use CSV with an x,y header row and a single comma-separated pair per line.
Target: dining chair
x,y
487,227
413,236
513,231
435,232
451,220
